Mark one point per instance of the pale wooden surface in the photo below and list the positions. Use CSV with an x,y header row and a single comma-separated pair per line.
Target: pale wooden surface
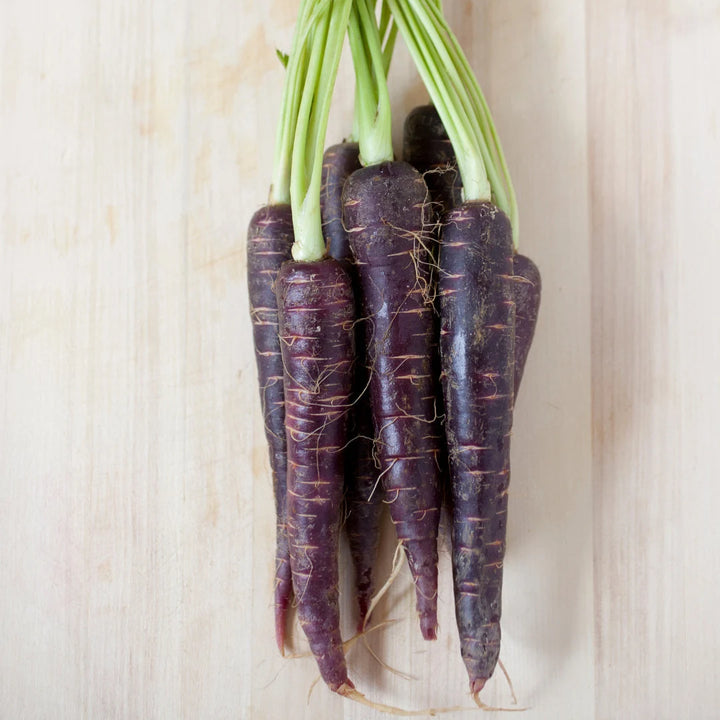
x,y
135,509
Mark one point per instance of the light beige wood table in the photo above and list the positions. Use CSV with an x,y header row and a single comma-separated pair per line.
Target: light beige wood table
x,y
136,522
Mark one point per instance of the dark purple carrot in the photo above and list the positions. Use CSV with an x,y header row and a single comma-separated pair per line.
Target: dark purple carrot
x,y
477,339
339,162
270,237
363,499
426,146
316,315
526,289
316,319
477,349
384,211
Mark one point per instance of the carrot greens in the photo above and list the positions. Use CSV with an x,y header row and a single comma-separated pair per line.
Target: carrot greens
x,y
459,101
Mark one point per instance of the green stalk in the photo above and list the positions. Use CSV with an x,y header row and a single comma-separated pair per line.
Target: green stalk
x,y
385,19
447,94
306,171
436,34
389,47
372,96
489,130
388,31
296,70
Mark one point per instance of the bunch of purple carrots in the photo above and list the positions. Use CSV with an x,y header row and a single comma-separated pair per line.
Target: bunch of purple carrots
x,y
392,318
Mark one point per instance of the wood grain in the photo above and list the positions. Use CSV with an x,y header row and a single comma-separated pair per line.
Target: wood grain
x,y
654,155
136,527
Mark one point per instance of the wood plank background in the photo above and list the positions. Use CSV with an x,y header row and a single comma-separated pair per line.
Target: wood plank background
x,y
136,522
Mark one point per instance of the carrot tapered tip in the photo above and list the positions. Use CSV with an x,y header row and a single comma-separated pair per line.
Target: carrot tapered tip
x,y
477,685
363,607
347,688
428,627
280,632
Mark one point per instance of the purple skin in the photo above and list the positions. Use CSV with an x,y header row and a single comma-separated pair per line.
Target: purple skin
x,y
339,162
427,147
477,354
316,314
526,289
363,500
270,238
385,215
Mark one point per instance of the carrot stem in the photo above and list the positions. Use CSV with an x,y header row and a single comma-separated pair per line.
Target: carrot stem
x,y
373,111
296,65
446,96
328,35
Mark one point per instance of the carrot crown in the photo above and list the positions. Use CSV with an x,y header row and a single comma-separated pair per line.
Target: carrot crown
x,y
460,103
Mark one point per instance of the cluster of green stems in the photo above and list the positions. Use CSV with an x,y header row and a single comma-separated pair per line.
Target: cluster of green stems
x,y
312,67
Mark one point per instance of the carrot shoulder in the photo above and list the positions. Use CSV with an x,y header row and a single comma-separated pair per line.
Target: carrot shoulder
x,y
427,147
339,162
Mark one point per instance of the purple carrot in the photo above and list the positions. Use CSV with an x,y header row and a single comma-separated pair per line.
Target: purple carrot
x,y
339,162
477,351
270,237
363,500
526,289
385,215
315,304
426,146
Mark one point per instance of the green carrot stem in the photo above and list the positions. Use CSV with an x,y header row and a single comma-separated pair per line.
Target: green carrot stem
x,y
388,31
374,115
306,171
435,33
447,94
296,68
389,47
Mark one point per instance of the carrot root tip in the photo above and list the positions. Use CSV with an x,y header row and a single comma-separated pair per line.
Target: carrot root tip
x,y
477,685
280,632
347,688
428,627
